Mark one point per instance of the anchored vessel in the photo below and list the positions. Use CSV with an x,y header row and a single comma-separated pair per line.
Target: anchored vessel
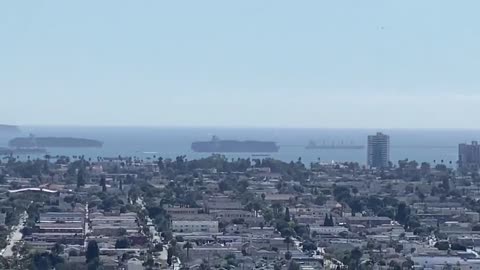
x,y
231,146
312,145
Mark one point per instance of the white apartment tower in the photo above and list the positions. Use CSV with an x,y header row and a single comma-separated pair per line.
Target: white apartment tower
x,y
378,150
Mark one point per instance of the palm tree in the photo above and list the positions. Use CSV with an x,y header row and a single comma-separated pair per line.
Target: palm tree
x,y
188,246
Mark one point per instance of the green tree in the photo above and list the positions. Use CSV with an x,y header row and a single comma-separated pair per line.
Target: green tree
x,y
457,246
288,241
268,215
356,255
187,246
287,215
122,243
103,183
326,221
408,264
242,186
93,251
160,164
169,256
442,245
57,249
293,266
341,193
80,178
320,199
403,212
309,246
41,261
204,265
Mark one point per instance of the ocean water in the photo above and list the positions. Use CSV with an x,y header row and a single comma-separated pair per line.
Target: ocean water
x,y
143,142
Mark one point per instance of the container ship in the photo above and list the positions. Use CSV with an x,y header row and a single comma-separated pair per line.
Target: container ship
x,y
231,146
41,142
312,145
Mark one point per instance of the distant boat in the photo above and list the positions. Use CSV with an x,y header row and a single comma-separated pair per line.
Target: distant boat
x,y
312,145
231,146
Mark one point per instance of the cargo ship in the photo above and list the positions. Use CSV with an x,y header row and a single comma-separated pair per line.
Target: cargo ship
x,y
41,142
231,146
312,145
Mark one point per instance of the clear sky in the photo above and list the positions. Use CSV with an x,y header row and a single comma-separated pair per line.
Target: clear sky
x,y
352,64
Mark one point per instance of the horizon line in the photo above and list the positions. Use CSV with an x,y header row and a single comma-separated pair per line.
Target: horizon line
x,y
238,127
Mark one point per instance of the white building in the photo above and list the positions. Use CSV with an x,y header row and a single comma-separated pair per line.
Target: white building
x,y
328,229
378,150
440,262
195,226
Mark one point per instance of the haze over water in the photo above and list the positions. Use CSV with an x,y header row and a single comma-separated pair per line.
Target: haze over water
x,y
420,145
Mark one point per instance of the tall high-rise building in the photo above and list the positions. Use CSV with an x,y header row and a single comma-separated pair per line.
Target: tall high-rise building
x,y
469,156
378,150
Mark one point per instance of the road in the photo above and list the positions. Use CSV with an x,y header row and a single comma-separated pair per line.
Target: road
x,y
15,236
86,229
156,235
153,230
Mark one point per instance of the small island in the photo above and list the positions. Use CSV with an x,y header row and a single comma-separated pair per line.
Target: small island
x,y
32,141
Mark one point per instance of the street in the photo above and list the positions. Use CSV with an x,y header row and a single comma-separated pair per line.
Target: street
x,y
86,225
15,236
156,237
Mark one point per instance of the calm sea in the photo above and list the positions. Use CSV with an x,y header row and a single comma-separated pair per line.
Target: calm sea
x,y
420,145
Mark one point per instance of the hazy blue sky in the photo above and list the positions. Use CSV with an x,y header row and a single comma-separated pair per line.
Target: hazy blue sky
x,y
386,64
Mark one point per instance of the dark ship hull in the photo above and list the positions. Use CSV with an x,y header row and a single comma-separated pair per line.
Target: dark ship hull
x,y
31,142
221,146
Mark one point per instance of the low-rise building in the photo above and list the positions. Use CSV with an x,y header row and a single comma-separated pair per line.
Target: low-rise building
x,y
172,211
57,227
66,238
333,230
62,217
195,226
368,221
229,216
